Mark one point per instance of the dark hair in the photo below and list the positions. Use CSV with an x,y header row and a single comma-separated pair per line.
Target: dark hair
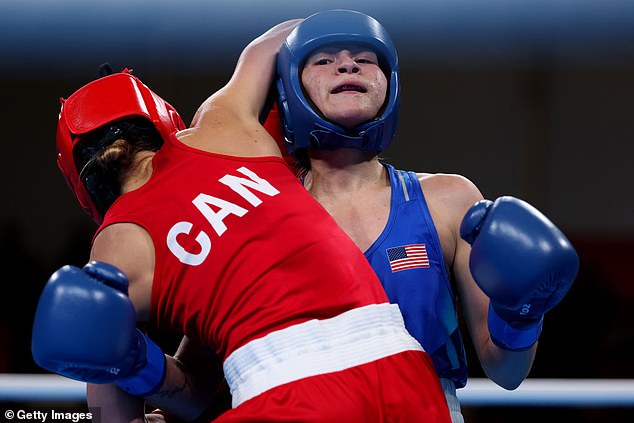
x,y
105,155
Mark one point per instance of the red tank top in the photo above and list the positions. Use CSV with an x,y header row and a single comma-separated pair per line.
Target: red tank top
x,y
241,248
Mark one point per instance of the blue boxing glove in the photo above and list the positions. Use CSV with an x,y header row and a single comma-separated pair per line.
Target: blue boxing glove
x,y
523,262
85,329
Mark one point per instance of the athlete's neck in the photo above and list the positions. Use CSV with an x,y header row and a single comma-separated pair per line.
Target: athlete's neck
x,y
343,172
140,171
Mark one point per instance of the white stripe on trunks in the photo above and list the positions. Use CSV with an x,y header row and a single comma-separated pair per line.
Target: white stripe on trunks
x,y
315,347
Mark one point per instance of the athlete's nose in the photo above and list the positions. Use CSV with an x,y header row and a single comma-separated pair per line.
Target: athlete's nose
x,y
346,63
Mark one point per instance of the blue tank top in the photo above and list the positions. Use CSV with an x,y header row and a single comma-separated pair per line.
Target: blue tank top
x,y
408,259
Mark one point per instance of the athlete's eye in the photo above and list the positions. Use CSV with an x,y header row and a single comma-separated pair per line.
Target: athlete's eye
x,y
367,59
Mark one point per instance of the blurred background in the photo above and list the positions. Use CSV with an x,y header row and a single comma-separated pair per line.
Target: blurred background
x,y
531,98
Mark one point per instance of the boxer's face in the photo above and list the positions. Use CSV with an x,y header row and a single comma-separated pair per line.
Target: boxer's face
x,y
346,85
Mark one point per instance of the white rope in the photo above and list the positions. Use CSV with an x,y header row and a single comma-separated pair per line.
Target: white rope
x,y
551,393
577,393
40,387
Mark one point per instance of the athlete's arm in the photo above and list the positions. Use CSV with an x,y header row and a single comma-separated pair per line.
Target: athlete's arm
x,y
228,121
504,367
184,393
246,92
523,262
449,197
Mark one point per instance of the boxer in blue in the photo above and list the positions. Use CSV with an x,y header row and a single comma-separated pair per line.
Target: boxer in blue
x,y
339,89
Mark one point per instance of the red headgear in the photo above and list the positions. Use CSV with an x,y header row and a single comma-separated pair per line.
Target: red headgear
x,y
99,103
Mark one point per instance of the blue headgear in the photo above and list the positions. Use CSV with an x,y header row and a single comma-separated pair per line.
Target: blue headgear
x,y
303,127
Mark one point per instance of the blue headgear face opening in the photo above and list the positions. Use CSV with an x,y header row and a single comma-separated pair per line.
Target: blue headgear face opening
x,y
303,126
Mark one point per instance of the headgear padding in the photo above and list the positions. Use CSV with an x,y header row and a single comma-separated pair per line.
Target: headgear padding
x,y
303,126
100,103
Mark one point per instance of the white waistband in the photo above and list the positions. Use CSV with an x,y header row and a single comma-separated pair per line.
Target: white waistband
x,y
316,347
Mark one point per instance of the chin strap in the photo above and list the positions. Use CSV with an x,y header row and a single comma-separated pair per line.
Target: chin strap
x,y
327,139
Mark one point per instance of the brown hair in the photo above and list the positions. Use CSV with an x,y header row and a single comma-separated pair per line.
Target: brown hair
x,y
105,156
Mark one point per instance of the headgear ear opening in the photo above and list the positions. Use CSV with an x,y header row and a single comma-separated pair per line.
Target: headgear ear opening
x,y
303,126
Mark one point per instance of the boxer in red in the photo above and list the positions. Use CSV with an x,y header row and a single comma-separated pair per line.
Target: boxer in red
x,y
206,232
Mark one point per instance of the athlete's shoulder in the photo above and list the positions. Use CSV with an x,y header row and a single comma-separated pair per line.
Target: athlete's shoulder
x,y
129,247
448,181
452,191
109,239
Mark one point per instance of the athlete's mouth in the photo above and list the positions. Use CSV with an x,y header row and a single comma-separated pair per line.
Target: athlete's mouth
x,y
348,87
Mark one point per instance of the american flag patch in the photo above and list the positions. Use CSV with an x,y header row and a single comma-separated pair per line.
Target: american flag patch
x,y
413,256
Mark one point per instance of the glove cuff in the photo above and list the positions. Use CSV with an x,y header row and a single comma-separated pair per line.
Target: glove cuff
x,y
107,274
518,338
149,378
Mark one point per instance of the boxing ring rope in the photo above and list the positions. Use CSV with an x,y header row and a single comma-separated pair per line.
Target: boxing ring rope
x,y
575,393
